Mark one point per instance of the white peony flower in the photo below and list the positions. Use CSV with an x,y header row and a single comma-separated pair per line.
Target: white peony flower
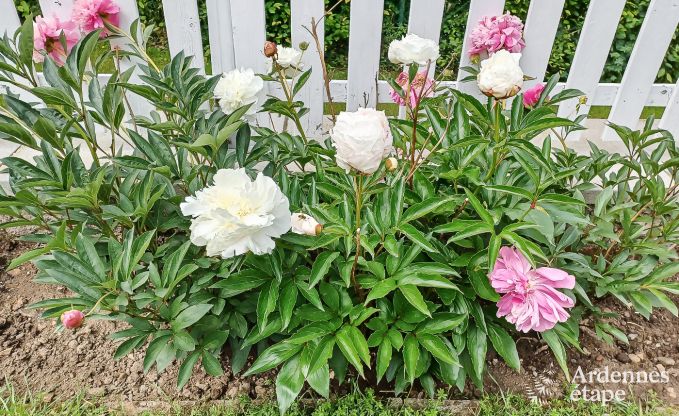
x,y
290,59
305,224
500,75
237,214
362,139
237,88
413,49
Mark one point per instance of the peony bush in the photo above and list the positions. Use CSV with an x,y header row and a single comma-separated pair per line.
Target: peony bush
x,y
397,250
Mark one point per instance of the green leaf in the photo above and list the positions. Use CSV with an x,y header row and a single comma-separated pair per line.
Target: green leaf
x,y
477,347
417,237
381,289
513,190
552,339
26,42
441,322
272,357
423,208
437,348
321,266
186,369
190,316
289,383
482,286
414,297
242,144
212,365
504,345
480,209
411,355
383,358
345,343
319,380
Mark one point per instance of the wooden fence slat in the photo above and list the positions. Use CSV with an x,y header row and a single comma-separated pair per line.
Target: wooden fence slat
x,y
477,9
365,38
249,34
649,50
183,29
9,19
312,93
128,14
221,35
542,23
591,53
425,19
61,8
670,118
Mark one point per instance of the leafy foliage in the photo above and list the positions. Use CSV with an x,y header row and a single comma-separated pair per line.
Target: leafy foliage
x,y
405,298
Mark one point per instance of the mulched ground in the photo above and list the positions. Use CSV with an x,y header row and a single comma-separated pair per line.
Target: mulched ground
x,y
35,357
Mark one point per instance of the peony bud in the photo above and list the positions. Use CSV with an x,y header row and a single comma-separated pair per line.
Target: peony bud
x,y
270,49
391,164
303,46
532,95
501,76
362,139
72,319
305,224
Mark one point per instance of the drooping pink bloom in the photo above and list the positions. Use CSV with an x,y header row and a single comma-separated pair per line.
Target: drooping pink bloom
x,y
531,300
91,15
422,86
46,38
532,95
494,33
72,319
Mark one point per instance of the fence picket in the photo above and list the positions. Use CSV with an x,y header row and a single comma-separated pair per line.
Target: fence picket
x,y
61,8
542,23
312,93
221,35
649,50
425,19
249,34
591,53
477,9
670,118
9,19
183,29
365,38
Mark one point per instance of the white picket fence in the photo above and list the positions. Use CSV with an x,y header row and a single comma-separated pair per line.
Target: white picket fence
x,y
237,34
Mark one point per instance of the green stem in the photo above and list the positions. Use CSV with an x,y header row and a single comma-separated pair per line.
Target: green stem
x,y
496,136
359,201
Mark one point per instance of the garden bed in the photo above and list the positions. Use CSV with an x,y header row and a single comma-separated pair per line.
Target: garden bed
x,y
35,357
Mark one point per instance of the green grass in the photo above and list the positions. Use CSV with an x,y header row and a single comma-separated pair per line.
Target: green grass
x,y
355,404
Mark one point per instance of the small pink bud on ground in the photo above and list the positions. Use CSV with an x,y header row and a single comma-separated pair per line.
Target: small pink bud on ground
x,y
72,319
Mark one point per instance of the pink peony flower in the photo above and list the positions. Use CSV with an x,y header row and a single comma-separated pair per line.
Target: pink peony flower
x,y
422,86
532,95
72,319
531,301
91,14
46,38
494,33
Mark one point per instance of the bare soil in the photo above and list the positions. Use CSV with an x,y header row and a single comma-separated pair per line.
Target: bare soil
x,y
36,357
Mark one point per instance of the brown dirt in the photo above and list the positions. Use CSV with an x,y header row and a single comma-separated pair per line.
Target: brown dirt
x,y
33,355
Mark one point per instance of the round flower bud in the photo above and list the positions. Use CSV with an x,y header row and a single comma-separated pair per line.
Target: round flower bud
x,y
391,164
362,140
305,224
303,46
413,49
501,76
270,49
72,319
